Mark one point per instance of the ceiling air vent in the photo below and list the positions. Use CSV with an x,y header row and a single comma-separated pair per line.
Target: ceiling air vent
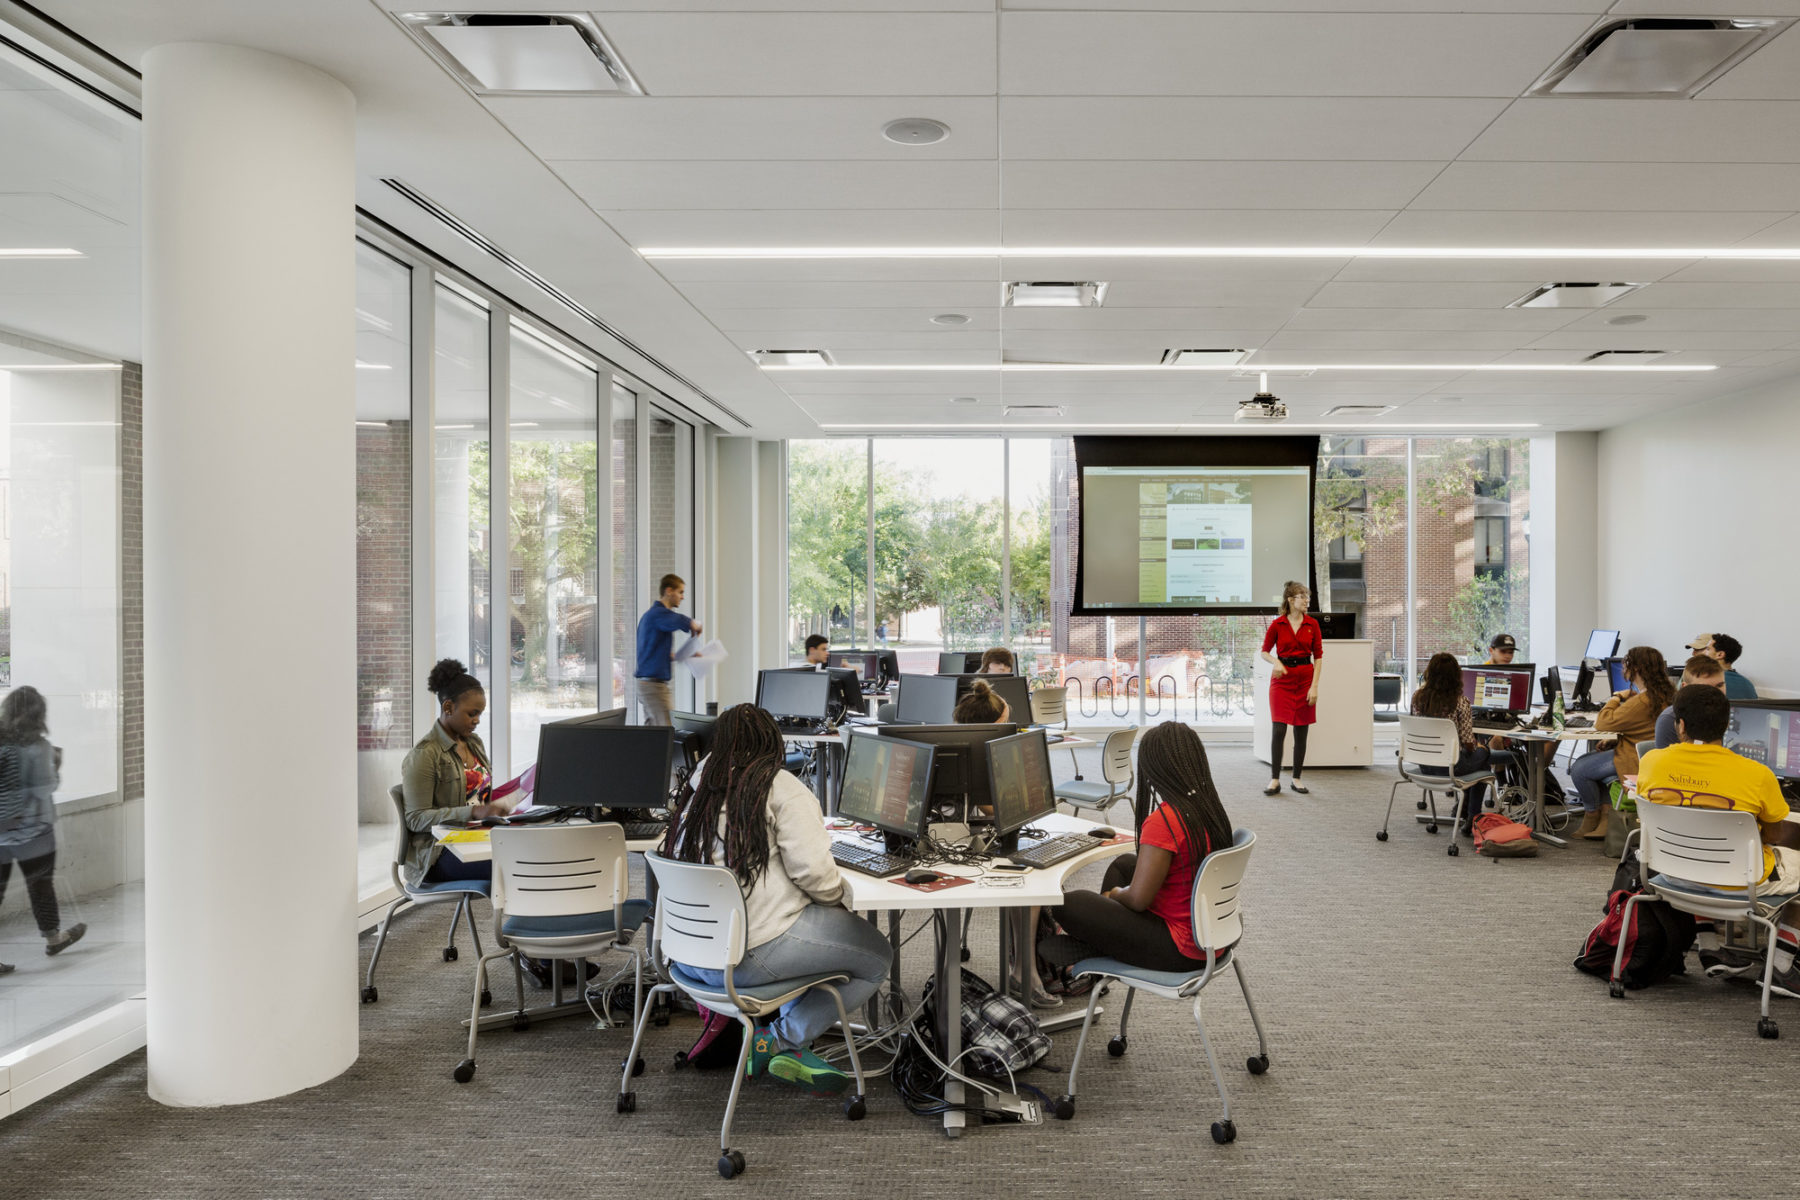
x,y
1034,410
523,54
1655,57
1055,295
1203,358
1574,295
791,358
1616,357
1359,410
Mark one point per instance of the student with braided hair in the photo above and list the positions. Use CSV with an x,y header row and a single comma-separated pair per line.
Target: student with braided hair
x,y
1143,915
741,810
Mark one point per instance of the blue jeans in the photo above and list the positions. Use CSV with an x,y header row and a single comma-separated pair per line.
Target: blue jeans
x,y
1590,773
824,939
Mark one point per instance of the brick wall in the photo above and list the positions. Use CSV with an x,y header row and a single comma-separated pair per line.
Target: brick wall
x,y
663,501
384,670
626,601
131,578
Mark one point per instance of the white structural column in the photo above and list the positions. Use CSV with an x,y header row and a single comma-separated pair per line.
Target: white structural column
x,y
737,593
249,575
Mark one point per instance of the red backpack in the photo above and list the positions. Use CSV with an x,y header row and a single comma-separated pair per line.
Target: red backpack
x,y
1501,837
1656,942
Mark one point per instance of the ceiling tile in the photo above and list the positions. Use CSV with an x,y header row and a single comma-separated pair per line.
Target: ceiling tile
x,y
1278,54
1171,293
1700,320
938,297
1622,187
1432,317
1719,295
1668,131
1415,295
1221,184
1206,227
1145,317
1600,229
936,183
848,320
828,227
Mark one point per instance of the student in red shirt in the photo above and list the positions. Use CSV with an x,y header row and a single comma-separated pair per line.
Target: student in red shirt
x,y
1144,915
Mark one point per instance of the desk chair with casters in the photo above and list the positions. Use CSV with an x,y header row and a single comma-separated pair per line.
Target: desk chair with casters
x,y
1219,928
700,924
1115,773
1050,706
1433,742
1387,691
1690,855
563,897
459,891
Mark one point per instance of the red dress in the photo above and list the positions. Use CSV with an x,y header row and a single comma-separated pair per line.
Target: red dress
x,y
1287,693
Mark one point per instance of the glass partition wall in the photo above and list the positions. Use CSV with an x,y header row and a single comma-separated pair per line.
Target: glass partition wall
x,y
975,542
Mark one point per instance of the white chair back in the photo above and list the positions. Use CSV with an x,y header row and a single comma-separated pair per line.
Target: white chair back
x,y
561,870
1217,920
1050,706
1115,756
700,916
1429,741
402,836
1709,846
1644,748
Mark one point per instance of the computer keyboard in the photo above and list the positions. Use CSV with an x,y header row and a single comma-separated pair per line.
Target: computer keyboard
x,y
1577,723
1047,852
637,831
869,862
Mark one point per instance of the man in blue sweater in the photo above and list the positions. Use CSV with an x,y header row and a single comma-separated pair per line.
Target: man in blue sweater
x,y
656,647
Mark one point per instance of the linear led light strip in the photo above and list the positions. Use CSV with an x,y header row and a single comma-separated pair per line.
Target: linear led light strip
x,y
1218,368
1474,252
30,252
1058,426
61,367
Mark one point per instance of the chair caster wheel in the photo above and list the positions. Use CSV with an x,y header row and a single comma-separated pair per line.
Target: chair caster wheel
x,y
681,1059
487,997
1431,829
521,1023
449,953
965,954
1453,851
1421,805
1224,1132
465,1071
369,994
1116,1047
731,1164
660,1020
627,1102
1064,1108
1766,1027
637,1066
1616,991
855,1109
1257,1064
1381,835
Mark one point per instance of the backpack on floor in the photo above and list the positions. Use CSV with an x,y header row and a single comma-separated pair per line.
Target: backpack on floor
x,y
720,1042
1502,837
998,1032
1657,940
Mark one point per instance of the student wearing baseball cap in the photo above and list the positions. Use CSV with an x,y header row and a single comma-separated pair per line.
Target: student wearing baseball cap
x,y
1501,650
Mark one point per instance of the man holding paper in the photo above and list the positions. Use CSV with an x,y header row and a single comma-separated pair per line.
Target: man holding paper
x,y
655,649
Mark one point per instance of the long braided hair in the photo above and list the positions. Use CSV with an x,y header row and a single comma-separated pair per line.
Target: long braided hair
x,y
735,779
1173,768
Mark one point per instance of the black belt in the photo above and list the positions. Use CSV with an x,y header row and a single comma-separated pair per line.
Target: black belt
x,y
1298,660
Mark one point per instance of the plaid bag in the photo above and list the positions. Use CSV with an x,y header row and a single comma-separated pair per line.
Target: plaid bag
x,y
998,1032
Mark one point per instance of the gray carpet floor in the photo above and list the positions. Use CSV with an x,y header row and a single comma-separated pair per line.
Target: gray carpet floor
x,y
1428,1035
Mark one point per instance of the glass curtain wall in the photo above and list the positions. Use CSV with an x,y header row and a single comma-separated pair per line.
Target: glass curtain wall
x,y
553,475
828,544
460,464
627,602
385,678
669,523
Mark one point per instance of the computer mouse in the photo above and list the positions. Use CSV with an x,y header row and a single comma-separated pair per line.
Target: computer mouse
x,y
921,875
1102,831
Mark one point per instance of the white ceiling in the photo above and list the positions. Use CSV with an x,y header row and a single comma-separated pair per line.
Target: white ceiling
x,y
1098,122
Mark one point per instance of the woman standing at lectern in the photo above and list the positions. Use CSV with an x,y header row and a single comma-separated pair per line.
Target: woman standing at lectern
x,y
1298,649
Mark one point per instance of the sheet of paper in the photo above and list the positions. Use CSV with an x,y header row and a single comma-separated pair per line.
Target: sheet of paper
x,y
700,660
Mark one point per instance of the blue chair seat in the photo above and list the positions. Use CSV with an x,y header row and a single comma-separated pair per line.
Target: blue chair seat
x,y
478,887
1668,883
1086,789
1173,980
574,924
760,992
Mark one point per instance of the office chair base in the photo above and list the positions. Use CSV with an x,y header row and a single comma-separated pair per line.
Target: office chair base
x,y
1116,1047
855,1108
1224,1132
637,1067
1381,835
449,953
731,1164
627,1102
1064,1108
465,1071
370,995
1421,805
487,997
1453,851
1616,990
1767,1028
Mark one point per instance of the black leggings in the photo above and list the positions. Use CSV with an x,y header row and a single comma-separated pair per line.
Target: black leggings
x,y
40,885
1275,749
1139,938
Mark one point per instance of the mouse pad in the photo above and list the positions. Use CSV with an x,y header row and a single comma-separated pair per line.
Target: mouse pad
x,y
948,881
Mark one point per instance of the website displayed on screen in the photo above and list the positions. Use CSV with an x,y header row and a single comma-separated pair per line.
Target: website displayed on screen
x,y
1193,537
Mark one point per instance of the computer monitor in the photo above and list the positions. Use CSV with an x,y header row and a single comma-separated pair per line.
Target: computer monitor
x,y
1602,643
959,662
1552,684
926,700
1768,733
1336,625
794,693
1020,782
1499,689
603,766
693,733
1615,671
1675,674
611,716
845,697
887,784
959,779
1582,699
866,665
1015,690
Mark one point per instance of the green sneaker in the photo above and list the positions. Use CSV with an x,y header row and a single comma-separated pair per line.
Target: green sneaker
x,y
803,1068
762,1049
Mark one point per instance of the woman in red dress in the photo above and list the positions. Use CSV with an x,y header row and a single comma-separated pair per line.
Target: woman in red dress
x,y
1298,650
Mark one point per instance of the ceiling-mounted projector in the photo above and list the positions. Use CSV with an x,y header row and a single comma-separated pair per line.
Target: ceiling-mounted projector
x,y
1264,406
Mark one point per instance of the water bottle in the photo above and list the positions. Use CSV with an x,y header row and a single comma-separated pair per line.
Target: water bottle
x,y
1556,710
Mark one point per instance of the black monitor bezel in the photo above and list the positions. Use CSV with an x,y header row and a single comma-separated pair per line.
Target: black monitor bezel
x,y
1529,670
602,794
1001,829
975,794
824,704
900,701
837,801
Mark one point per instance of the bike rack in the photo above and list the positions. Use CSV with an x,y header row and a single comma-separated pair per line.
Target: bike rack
x,y
1113,698
1174,695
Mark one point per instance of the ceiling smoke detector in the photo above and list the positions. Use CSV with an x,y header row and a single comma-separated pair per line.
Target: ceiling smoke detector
x,y
1264,406
1655,58
915,131
523,54
950,319
1574,295
1025,294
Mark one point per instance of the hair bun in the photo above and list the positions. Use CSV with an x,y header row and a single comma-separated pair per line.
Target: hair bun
x,y
446,672
980,688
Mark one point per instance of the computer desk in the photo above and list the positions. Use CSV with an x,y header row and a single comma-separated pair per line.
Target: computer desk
x,y
1035,888
1537,763
836,745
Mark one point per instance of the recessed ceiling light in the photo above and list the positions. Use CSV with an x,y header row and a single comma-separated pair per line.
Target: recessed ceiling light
x,y
1627,319
915,131
792,359
1026,294
1269,368
1194,357
950,319
1608,253
1574,295
1653,57
1358,410
964,400
1447,399
48,252
523,54
1033,410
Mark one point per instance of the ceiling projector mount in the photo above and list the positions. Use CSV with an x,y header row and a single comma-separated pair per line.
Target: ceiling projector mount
x,y
1263,406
